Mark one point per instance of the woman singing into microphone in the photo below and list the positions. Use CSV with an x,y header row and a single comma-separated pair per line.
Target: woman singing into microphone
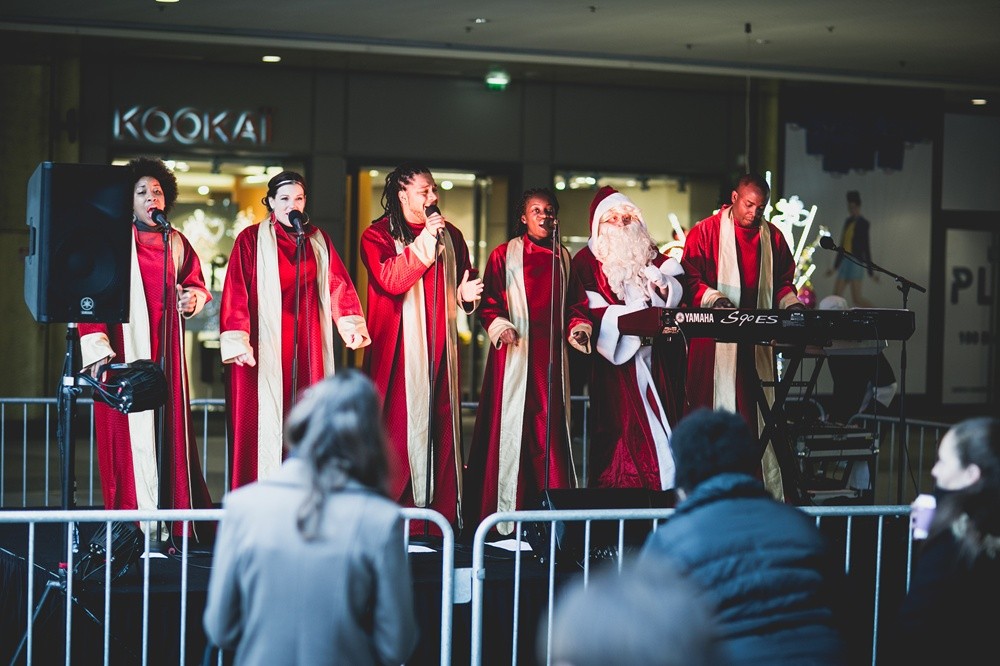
x,y
286,291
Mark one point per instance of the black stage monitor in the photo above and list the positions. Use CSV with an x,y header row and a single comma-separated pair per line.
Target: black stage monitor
x,y
79,243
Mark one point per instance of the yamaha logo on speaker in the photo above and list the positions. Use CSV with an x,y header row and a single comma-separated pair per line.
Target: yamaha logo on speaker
x,y
86,305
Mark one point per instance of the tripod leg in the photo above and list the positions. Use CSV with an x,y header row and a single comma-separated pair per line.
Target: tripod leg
x,y
31,622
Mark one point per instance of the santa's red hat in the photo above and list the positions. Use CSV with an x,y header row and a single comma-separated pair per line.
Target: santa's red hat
x,y
606,199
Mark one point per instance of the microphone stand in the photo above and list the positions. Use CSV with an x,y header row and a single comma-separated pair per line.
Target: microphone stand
x,y
904,286
430,381
162,411
553,333
299,252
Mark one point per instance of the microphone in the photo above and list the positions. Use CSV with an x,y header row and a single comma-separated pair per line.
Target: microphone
x,y
160,218
298,220
827,243
431,210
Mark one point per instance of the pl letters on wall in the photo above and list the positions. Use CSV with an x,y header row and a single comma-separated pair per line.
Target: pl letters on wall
x,y
968,337
190,126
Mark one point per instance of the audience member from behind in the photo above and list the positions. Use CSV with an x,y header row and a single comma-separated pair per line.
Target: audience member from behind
x,y
310,565
949,614
648,614
763,564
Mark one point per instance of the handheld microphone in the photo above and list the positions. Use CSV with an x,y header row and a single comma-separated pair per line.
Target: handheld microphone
x,y
827,243
298,220
160,218
431,210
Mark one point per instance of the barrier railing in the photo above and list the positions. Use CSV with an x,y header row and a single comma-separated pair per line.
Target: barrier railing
x,y
30,460
67,584
546,553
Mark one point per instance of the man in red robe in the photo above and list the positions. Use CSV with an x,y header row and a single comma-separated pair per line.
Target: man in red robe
x,y
258,324
635,385
521,444
418,275
127,451
736,259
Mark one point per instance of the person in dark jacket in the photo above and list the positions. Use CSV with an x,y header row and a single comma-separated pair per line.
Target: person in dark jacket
x,y
855,240
950,612
765,565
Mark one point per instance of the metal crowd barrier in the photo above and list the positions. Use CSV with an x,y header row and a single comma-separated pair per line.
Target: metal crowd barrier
x,y
65,583
30,464
874,562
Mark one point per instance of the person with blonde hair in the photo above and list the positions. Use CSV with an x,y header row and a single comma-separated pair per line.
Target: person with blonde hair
x,y
310,565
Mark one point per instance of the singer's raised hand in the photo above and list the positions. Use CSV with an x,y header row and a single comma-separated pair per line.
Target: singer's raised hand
x,y
469,290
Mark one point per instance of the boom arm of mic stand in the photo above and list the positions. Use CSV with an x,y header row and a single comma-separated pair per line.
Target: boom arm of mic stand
x,y
900,280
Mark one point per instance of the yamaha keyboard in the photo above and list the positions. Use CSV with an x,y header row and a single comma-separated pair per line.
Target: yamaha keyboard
x,y
794,327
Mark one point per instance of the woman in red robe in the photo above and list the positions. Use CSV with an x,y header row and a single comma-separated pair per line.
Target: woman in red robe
x,y
286,288
159,302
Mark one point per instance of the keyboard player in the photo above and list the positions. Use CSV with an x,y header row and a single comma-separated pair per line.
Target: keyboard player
x,y
735,258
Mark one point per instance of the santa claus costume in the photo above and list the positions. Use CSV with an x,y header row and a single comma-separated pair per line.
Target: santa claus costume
x,y
635,386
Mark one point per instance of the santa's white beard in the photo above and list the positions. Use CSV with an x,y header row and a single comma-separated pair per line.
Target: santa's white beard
x,y
624,252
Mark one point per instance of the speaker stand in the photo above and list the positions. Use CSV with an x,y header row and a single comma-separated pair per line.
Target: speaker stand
x,y
66,402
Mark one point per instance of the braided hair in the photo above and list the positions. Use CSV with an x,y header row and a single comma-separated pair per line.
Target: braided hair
x,y
151,167
395,182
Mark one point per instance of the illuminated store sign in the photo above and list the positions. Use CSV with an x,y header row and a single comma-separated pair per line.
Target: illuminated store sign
x,y
190,126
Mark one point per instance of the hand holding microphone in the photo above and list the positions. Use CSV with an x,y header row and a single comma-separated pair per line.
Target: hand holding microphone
x,y
434,222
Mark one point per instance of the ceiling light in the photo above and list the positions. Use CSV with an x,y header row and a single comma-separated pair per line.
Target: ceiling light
x,y
978,101
497,79
271,58
479,20
447,184
203,190
373,173
167,2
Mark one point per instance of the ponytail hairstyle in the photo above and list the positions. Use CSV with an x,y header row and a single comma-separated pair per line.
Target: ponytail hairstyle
x,y
337,430
395,182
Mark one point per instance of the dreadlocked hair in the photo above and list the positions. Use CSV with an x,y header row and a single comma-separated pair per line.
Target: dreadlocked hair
x,y
395,181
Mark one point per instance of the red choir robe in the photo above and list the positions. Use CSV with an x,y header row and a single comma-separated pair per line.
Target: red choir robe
x,y
711,384
632,408
406,318
508,466
257,315
127,443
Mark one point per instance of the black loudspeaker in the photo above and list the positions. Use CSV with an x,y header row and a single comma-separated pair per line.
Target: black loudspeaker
x,y
79,247
605,535
127,543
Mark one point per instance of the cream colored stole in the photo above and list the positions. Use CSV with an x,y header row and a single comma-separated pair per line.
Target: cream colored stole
x,y
515,378
136,340
270,386
725,352
416,371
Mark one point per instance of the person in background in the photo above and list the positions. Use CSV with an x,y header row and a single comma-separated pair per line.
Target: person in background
x,y
636,386
419,274
521,443
648,614
855,240
286,290
949,614
310,565
166,288
764,565
732,259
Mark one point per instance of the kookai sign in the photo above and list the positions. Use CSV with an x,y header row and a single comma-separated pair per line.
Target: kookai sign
x,y
191,126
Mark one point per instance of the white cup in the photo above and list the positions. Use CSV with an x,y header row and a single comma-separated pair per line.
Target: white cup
x,y
921,514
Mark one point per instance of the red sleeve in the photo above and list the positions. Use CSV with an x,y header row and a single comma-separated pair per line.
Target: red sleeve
x,y
344,299
494,297
190,276
784,266
699,263
388,271
234,311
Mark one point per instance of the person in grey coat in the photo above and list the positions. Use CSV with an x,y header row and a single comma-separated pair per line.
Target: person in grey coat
x,y
310,565
764,565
